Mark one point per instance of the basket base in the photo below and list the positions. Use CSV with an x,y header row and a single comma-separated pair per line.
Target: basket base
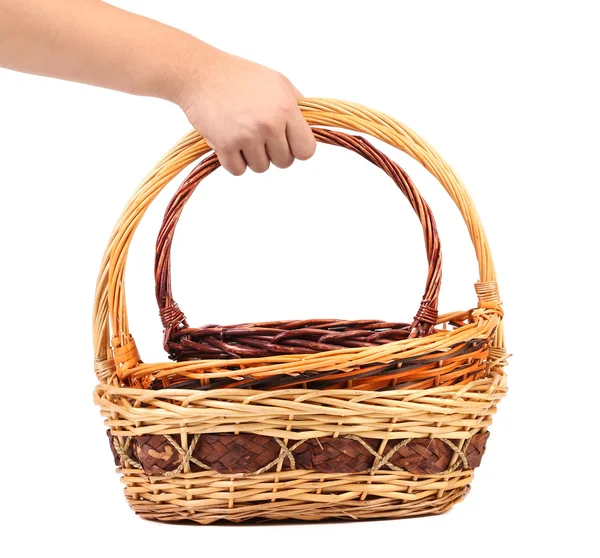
x,y
209,497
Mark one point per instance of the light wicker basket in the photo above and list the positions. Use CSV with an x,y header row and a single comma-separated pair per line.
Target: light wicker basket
x,y
305,420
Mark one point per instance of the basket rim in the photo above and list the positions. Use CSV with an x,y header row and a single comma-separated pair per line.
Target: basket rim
x,y
497,380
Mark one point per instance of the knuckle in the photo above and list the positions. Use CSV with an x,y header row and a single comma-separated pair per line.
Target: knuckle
x,y
268,126
243,136
227,145
288,108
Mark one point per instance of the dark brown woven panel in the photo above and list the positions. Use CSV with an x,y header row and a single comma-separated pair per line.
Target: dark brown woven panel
x,y
259,340
241,453
113,448
249,453
476,449
156,454
334,455
423,456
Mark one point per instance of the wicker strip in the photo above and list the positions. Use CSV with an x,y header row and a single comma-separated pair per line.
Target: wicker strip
x,y
126,354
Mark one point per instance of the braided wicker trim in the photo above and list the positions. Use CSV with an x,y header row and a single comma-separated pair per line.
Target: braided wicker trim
x,y
253,454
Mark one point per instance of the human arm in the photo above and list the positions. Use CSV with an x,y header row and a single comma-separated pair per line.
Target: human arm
x,y
248,113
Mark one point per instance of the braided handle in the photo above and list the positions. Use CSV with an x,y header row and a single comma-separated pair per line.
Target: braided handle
x,y
172,316
113,344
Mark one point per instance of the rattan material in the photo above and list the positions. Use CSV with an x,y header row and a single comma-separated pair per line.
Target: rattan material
x,y
293,496
259,340
455,412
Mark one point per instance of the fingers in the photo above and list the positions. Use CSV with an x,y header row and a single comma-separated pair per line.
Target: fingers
x,y
278,150
300,138
278,137
296,141
232,161
248,114
245,152
255,155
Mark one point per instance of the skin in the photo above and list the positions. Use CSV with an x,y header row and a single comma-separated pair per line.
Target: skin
x,y
248,113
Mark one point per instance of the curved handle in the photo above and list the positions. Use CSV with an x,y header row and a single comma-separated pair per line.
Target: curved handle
x,y
114,347
172,316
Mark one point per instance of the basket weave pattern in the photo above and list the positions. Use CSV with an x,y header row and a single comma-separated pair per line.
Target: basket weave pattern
x,y
384,420
255,454
292,337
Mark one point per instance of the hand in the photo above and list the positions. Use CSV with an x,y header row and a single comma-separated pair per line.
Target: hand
x,y
248,114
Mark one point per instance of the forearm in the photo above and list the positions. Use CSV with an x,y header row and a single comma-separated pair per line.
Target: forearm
x,y
247,113
92,42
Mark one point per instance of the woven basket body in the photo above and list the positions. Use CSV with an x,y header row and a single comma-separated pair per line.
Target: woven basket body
x,y
306,420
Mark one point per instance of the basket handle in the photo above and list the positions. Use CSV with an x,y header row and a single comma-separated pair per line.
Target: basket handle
x,y
114,347
172,316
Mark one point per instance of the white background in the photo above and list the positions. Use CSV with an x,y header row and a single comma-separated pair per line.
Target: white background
x,y
506,91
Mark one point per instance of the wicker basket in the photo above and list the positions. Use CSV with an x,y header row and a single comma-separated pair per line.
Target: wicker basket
x,y
300,419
